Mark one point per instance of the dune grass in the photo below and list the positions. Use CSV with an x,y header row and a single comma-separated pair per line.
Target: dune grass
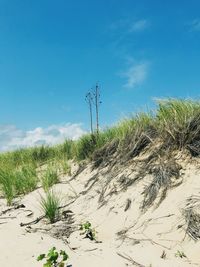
x,y
178,121
49,177
7,187
175,123
50,206
25,179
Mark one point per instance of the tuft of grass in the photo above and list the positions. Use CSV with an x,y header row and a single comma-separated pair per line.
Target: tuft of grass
x,y
7,187
85,147
50,206
49,178
25,179
65,167
178,121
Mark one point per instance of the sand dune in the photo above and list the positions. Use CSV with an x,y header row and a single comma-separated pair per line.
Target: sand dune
x,y
126,235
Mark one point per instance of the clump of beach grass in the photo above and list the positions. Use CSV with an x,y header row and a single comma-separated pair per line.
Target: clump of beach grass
x,y
7,186
178,121
49,177
65,167
50,205
25,179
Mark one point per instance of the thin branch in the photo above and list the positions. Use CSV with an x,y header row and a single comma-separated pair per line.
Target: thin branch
x,y
128,258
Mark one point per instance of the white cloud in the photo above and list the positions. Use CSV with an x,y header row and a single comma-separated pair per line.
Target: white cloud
x,y
139,25
136,74
13,138
127,26
195,25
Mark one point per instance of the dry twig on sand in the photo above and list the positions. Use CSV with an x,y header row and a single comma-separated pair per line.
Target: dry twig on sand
x,y
128,258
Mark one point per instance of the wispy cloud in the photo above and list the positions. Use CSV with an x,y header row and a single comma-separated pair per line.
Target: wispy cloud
x,y
195,25
13,138
139,25
130,26
136,74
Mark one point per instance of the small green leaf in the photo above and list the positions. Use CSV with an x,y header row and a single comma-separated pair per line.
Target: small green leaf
x,y
65,257
64,254
54,256
41,257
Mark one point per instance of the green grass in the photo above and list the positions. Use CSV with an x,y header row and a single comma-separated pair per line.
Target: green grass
x,y
178,121
50,206
7,187
175,124
175,121
49,177
65,167
25,179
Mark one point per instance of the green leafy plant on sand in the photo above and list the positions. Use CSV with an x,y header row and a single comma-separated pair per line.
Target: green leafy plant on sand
x,y
88,231
54,258
50,205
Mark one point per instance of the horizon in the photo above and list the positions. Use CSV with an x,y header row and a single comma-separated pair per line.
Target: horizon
x,y
52,54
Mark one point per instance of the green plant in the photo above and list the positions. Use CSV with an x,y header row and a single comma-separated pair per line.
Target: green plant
x,y
49,178
65,167
6,180
88,231
85,146
178,121
54,258
180,254
25,179
50,205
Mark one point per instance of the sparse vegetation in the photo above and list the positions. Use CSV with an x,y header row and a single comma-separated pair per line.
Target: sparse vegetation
x,y
162,181
6,180
50,206
49,177
191,214
180,254
54,258
65,167
88,231
25,179
175,125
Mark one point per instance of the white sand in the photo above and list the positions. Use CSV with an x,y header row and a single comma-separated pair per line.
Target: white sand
x,y
148,234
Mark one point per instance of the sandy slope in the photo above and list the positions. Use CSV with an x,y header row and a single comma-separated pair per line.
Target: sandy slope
x,y
101,198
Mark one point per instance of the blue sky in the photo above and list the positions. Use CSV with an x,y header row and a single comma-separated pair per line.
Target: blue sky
x,y
53,52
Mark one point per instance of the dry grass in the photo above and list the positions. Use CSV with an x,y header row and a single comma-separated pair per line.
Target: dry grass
x,y
191,213
175,125
162,181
